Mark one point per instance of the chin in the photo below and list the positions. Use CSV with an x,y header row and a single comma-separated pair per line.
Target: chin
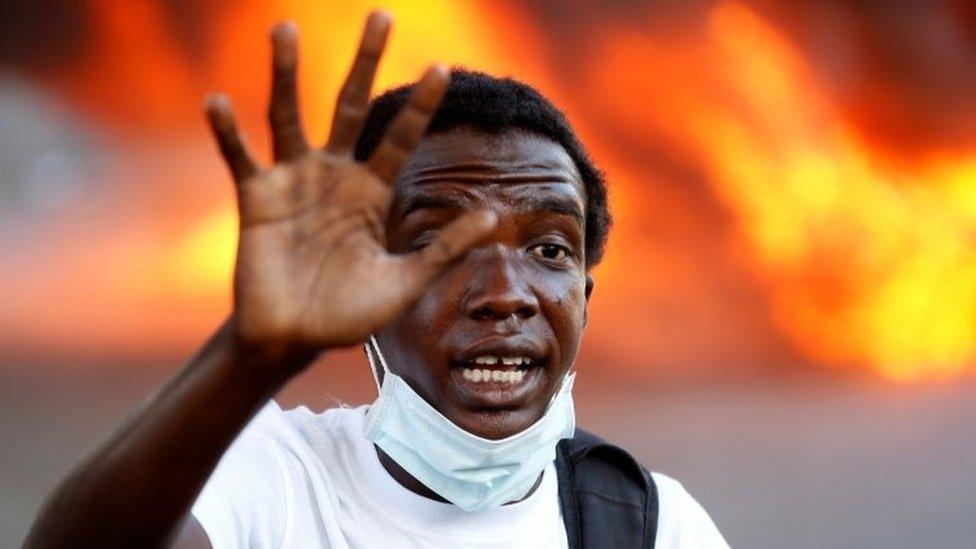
x,y
495,424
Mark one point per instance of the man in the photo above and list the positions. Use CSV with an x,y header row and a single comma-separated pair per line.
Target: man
x,y
460,254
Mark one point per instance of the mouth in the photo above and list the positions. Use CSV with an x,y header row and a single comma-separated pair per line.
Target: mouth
x,y
499,374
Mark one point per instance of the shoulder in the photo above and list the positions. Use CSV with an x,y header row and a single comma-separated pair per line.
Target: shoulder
x,y
610,472
251,494
245,500
299,436
594,461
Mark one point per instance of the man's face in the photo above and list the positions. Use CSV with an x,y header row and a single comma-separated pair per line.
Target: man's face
x,y
520,294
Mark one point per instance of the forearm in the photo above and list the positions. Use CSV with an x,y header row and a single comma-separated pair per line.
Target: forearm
x,y
137,486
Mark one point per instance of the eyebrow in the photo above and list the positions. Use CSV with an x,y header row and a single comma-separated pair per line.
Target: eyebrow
x,y
550,204
554,205
433,202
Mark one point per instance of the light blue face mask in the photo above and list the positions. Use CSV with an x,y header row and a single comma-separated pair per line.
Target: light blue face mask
x,y
471,472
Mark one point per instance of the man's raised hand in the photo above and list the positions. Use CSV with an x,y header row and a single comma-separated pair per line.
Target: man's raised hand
x,y
312,266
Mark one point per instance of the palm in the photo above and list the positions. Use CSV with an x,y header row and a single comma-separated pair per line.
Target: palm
x,y
312,266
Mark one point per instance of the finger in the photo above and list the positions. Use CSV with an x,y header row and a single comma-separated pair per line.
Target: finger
x,y
407,129
220,115
286,126
350,112
453,241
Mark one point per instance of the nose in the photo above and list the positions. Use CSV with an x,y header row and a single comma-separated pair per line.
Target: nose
x,y
496,291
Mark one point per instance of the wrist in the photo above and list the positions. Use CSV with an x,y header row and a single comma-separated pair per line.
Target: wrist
x,y
272,362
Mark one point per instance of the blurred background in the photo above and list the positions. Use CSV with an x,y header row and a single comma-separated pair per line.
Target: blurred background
x,y
784,321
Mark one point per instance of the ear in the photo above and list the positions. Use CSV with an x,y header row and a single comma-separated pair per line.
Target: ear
x,y
587,292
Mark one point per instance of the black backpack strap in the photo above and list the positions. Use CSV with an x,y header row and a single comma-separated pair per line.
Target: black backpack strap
x,y
607,498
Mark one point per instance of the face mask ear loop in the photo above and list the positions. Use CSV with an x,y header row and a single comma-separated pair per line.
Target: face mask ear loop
x,y
372,346
567,385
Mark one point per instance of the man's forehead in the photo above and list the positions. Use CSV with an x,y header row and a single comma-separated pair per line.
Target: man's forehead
x,y
467,155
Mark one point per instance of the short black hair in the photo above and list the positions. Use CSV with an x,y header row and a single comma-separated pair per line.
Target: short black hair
x,y
492,105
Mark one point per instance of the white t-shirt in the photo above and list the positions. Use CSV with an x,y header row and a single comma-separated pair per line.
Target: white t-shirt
x,y
299,479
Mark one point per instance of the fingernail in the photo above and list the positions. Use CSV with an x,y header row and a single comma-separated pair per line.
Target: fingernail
x,y
284,30
216,100
438,68
377,17
489,217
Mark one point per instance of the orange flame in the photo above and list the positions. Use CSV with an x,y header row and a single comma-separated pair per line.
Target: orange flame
x,y
867,261
864,259
871,262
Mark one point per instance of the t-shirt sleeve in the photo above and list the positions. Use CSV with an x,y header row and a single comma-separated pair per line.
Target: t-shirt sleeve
x,y
244,503
682,522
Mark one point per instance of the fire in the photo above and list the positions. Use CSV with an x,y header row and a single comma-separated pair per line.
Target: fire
x,y
868,260
200,262
865,258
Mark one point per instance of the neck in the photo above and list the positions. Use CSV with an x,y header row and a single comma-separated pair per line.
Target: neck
x,y
407,480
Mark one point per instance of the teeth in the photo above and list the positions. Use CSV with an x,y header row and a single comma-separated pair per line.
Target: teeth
x,y
479,375
490,360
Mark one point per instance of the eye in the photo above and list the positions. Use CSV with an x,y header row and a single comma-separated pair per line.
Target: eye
x,y
550,252
423,240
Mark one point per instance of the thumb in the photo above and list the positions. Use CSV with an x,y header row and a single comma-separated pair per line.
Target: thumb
x,y
453,241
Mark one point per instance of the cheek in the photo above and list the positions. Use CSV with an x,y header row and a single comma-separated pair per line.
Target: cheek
x,y
417,327
413,344
566,310
439,305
